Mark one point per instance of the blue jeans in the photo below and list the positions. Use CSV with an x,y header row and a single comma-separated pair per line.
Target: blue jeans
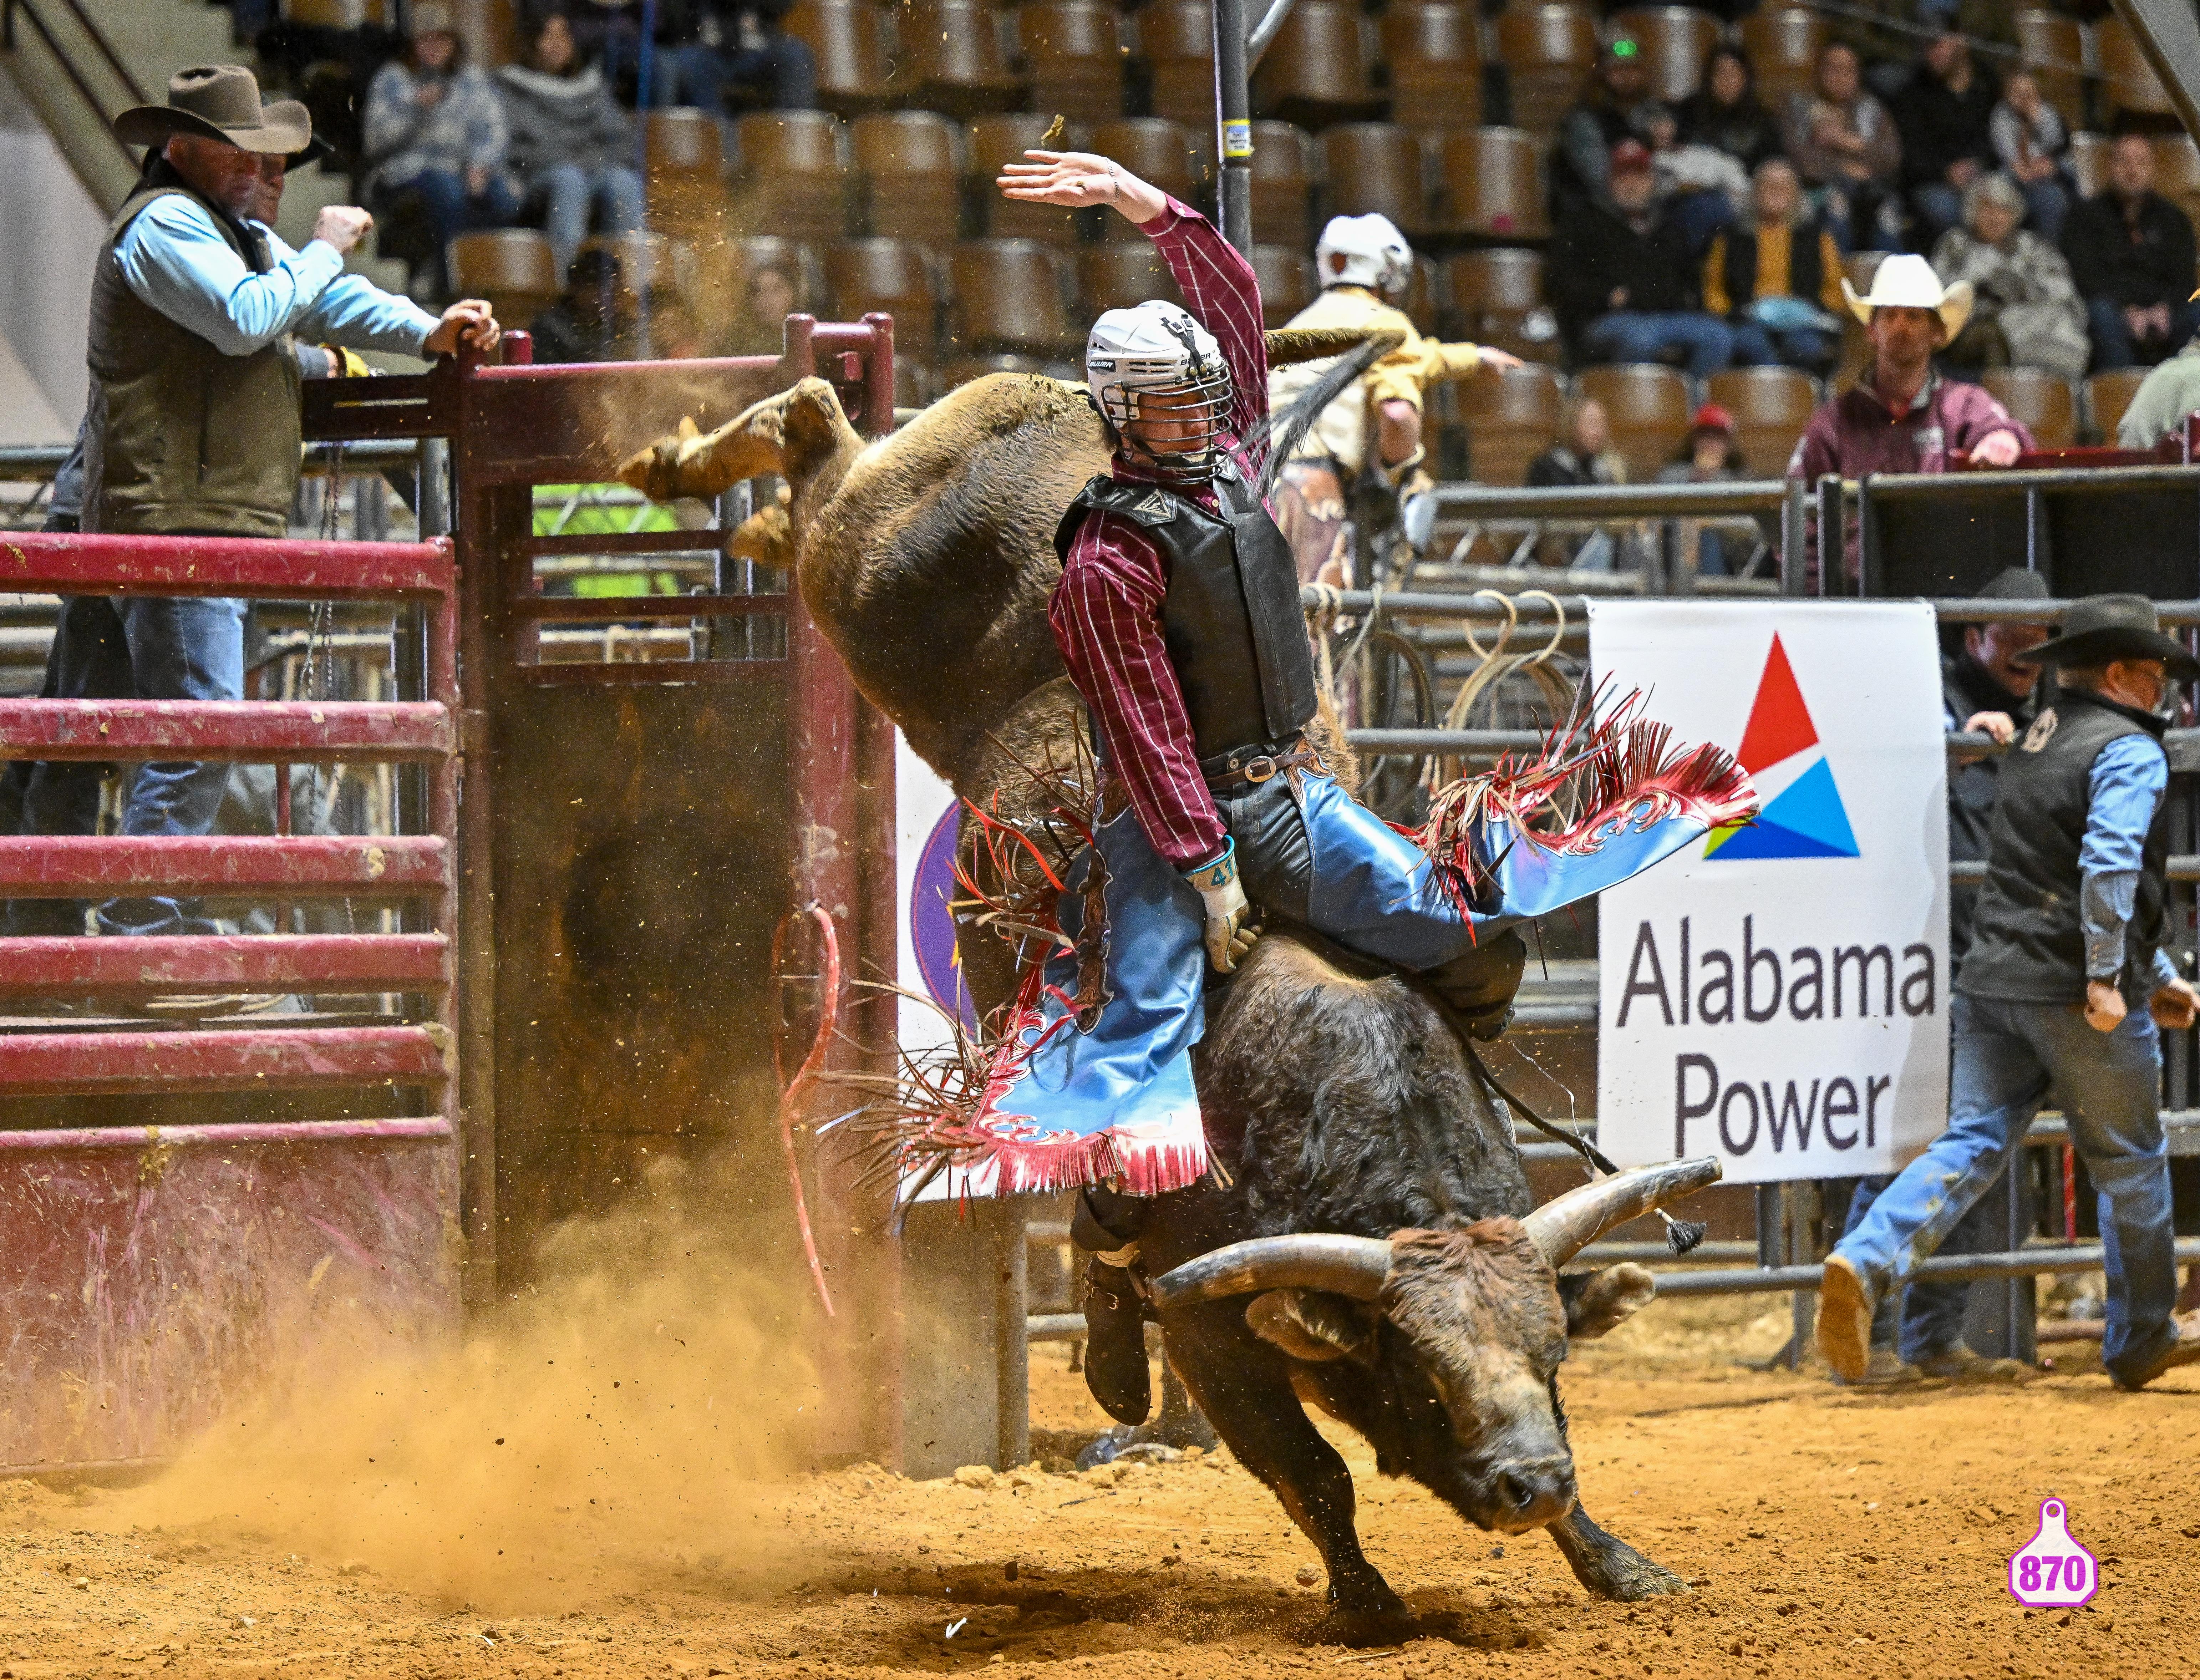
x,y
781,75
2046,203
1931,1315
2006,1057
2113,344
1756,345
1627,335
1938,207
567,193
147,647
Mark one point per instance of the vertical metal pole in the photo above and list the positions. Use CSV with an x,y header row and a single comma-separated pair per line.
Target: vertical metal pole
x,y
1832,541
1233,124
1012,1353
1795,539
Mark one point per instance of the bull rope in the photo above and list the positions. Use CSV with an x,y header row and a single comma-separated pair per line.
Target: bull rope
x,y
828,1019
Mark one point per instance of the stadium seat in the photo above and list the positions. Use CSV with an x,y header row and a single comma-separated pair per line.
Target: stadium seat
x,y
1074,58
2106,396
1287,281
1490,184
891,275
1316,71
996,142
1649,408
648,259
2052,47
910,167
847,39
1489,297
1161,151
954,57
751,253
1284,174
1549,52
1674,42
2038,398
2089,162
1510,418
2127,80
1782,43
1376,168
1176,41
794,173
2177,171
684,162
1010,295
1855,350
511,267
1771,407
1118,275
1434,51
1423,301
915,385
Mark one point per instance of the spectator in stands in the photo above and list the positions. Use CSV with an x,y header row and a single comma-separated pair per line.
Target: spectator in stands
x,y
1902,416
2157,411
1612,110
1582,453
1624,280
571,146
1709,455
2033,147
1701,187
1725,113
193,424
1778,278
767,300
596,318
1945,112
737,48
435,139
1983,691
608,33
1848,150
2131,254
2025,312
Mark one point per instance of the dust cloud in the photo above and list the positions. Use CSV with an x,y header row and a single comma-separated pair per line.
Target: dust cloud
x,y
627,1418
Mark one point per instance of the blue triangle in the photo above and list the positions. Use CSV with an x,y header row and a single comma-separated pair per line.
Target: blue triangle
x,y
1807,820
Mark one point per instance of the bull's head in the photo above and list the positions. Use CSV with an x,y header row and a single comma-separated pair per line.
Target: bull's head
x,y
1439,1346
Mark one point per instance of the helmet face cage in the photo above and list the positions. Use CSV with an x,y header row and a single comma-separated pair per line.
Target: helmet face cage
x,y
1192,389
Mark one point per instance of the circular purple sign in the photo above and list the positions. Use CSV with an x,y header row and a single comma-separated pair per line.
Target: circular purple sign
x,y
931,923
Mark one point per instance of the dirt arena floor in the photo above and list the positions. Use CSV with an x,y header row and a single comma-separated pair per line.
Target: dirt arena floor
x,y
479,1519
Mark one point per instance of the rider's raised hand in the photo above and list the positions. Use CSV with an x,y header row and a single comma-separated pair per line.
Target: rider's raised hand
x,y
1080,180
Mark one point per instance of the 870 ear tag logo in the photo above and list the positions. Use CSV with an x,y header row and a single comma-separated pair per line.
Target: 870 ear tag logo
x,y
2052,1570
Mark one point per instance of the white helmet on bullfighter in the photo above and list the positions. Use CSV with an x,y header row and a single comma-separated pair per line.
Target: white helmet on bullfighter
x,y
1162,386
1364,251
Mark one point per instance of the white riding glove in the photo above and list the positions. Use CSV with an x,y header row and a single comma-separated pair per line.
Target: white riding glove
x,y
1228,937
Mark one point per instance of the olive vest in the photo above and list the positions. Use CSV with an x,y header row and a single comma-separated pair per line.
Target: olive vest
x,y
178,436
1231,618
2026,942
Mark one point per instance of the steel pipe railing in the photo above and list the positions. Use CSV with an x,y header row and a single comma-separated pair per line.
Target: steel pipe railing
x,y
2030,1262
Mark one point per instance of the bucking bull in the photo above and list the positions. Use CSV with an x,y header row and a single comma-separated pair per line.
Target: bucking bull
x,y
1370,1245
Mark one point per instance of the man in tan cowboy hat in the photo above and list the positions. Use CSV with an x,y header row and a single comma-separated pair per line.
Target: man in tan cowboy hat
x,y
1902,415
2066,982
192,425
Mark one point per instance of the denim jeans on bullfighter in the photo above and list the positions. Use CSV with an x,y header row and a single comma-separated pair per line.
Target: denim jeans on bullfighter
x,y
2006,1057
1931,1315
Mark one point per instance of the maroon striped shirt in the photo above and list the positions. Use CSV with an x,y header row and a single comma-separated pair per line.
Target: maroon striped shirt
x,y
1106,613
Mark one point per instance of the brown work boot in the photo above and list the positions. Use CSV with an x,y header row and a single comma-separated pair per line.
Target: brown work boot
x,y
1844,1320
1961,1363
2185,1350
1883,1369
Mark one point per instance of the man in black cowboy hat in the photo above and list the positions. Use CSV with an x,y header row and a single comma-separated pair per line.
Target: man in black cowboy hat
x,y
192,426
2065,984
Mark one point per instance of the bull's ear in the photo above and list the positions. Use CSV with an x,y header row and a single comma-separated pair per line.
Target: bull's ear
x,y
1600,1301
1312,1325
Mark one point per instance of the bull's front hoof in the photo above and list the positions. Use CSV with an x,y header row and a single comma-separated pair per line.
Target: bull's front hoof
x,y
1637,1578
1607,1566
1374,1621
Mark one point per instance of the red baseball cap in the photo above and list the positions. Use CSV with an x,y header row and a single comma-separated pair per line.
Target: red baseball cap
x,y
1712,417
1630,157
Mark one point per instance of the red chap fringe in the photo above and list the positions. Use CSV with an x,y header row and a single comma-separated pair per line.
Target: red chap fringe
x,y
1590,779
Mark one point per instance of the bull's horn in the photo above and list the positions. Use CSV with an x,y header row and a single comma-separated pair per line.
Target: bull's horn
x,y
1352,1266
1562,1228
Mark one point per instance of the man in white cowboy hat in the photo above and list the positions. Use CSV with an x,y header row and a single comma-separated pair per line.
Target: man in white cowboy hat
x,y
192,426
1903,415
2066,980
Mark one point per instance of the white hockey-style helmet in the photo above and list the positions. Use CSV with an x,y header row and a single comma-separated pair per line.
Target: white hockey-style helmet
x,y
1364,251
1154,363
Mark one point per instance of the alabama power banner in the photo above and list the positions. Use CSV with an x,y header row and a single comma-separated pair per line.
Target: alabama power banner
x,y
1777,994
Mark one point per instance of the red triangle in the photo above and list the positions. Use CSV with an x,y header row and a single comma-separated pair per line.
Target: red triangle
x,y
1779,723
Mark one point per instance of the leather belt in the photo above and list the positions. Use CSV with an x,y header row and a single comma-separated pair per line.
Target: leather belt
x,y
1246,765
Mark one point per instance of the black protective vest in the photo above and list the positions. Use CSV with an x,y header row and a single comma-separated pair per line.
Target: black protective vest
x,y
1969,688
1232,621
2026,944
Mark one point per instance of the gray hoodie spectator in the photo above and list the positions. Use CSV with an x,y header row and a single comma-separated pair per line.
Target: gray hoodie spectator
x,y
572,147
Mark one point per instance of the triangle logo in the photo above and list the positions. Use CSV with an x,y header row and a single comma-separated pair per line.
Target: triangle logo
x,y
1807,819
